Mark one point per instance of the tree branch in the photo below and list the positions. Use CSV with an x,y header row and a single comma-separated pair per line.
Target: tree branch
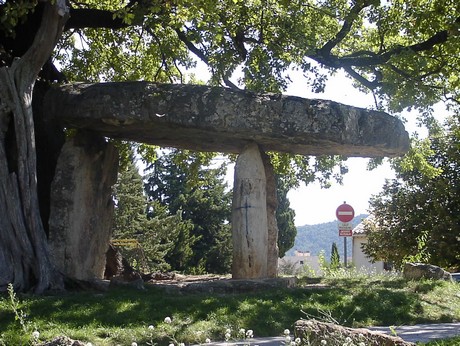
x,y
230,84
81,18
453,99
372,59
438,38
195,50
364,81
48,34
379,59
346,27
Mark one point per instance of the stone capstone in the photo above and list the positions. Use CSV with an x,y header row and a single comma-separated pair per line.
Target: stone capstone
x,y
219,119
313,332
418,271
82,207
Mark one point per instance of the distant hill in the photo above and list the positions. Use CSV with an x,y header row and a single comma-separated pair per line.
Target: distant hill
x,y
315,238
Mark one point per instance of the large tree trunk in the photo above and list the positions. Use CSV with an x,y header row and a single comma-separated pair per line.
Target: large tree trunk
x,y
24,255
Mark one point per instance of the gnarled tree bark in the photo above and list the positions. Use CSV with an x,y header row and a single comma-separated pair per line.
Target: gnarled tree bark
x,y
24,255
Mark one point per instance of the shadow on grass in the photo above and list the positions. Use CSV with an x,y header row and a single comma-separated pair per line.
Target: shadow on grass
x,y
268,313
380,306
425,286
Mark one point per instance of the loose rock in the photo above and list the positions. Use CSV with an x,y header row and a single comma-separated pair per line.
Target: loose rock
x,y
417,271
313,332
63,341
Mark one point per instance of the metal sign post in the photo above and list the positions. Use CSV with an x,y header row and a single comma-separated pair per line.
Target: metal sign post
x,y
345,214
345,252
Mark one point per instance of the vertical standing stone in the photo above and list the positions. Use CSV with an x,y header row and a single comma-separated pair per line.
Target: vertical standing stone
x,y
249,216
272,223
82,206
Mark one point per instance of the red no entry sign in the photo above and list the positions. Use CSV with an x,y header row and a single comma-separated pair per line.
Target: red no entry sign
x,y
345,213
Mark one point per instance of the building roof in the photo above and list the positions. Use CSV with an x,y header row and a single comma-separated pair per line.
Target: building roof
x,y
359,229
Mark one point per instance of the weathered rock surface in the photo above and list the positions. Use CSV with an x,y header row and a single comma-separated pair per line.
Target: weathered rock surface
x,y
224,285
120,281
249,216
119,272
113,263
315,331
417,271
272,223
219,119
82,207
62,341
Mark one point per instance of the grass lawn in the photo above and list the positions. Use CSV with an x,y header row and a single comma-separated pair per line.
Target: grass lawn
x,y
450,342
123,316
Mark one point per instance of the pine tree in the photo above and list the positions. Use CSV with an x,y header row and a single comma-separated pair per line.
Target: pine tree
x,y
335,257
130,203
287,230
156,236
200,195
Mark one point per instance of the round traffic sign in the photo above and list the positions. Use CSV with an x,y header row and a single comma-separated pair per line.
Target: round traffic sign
x,y
345,212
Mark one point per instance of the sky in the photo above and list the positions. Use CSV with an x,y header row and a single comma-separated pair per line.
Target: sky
x,y
313,205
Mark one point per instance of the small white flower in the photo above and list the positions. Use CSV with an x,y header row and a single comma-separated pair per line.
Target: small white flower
x,y
360,335
134,344
293,343
323,342
298,341
228,331
287,332
181,344
249,333
171,344
151,327
287,339
168,320
348,339
36,334
89,344
227,336
208,341
361,344
242,331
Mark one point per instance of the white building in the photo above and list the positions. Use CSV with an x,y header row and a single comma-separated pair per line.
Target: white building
x,y
301,261
359,259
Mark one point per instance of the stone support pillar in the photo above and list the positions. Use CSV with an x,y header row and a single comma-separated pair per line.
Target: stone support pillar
x,y
249,216
82,206
272,223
